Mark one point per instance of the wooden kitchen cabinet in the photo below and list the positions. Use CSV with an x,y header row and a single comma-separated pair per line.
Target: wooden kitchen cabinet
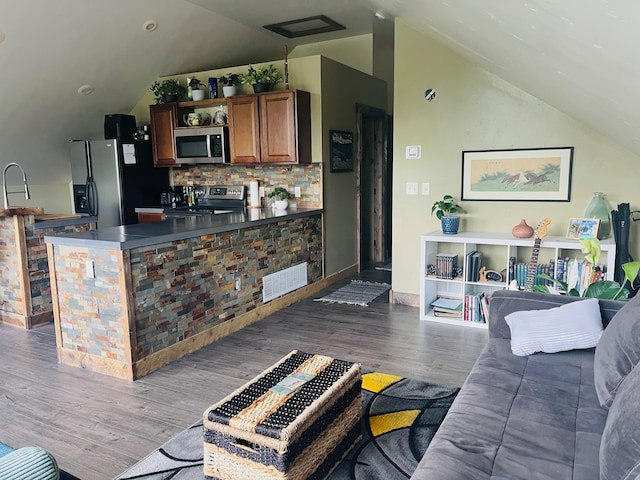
x,y
270,128
150,217
163,121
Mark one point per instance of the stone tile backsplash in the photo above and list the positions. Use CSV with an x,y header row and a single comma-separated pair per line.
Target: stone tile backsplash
x,y
307,177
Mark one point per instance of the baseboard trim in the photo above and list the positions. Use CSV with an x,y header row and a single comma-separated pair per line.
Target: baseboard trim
x,y
400,298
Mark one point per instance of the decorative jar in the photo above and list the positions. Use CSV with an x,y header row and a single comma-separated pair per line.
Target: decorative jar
x,y
522,230
599,208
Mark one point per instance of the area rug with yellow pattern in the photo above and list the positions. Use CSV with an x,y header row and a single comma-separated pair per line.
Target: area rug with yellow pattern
x,y
399,418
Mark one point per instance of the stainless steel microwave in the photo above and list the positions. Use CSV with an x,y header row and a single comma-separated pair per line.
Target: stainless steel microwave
x,y
202,144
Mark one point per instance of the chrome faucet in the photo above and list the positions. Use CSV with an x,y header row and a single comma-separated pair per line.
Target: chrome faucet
x,y
4,184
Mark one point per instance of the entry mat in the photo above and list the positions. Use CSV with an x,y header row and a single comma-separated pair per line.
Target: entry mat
x,y
357,292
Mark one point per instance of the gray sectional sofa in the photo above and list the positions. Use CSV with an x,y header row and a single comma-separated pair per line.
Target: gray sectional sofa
x,y
574,414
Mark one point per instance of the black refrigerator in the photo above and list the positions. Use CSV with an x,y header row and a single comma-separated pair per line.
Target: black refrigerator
x,y
112,177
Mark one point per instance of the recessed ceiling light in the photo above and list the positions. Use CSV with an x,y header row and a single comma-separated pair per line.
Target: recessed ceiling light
x,y
85,90
149,25
2,37
305,26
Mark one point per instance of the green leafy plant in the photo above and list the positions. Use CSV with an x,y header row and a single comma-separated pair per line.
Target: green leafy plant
x,y
261,75
194,83
281,193
166,88
605,289
447,207
230,79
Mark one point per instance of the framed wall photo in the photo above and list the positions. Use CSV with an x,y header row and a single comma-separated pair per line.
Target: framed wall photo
x,y
535,174
582,228
341,151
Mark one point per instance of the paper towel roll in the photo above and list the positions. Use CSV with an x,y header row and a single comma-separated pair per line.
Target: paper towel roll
x,y
254,194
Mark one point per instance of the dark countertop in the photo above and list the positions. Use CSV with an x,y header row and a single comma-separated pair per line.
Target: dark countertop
x,y
175,228
60,220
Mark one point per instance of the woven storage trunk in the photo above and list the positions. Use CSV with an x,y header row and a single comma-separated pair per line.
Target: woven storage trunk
x,y
256,433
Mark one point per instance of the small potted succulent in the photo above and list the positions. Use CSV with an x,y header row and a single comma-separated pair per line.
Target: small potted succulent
x,y
282,197
196,92
261,78
230,83
446,210
167,91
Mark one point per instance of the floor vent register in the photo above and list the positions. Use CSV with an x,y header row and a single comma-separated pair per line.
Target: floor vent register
x,y
284,281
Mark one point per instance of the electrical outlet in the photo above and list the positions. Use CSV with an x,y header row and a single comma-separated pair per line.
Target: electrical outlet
x,y
425,188
413,152
298,192
412,188
89,269
238,283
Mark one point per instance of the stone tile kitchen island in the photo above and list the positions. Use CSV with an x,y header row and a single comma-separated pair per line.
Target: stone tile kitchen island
x,y
130,299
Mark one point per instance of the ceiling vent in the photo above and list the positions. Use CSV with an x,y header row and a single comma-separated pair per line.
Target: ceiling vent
x,y
305,26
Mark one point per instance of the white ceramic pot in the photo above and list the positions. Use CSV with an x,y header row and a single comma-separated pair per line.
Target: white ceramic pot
x,y
197,94
281,204
229,90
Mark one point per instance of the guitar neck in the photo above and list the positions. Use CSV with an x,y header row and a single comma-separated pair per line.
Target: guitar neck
x,y
533,265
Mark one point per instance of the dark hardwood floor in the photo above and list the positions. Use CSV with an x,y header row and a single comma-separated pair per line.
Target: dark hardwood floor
x,y
97,426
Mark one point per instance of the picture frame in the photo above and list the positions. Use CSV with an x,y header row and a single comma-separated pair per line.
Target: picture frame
x,y
517,175
580,228
340,151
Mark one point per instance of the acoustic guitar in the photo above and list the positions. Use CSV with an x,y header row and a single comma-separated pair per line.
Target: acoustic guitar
x,y
539,234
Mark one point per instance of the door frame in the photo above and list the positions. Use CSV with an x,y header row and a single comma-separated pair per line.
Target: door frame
x,y
380,227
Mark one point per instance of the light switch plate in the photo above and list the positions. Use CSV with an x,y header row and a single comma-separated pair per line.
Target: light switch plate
x,y
412,188
298,192
413,152
425,188
89,269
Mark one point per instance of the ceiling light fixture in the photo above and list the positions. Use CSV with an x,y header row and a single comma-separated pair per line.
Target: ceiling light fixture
x,y
380,15
305,26
149,25
85,90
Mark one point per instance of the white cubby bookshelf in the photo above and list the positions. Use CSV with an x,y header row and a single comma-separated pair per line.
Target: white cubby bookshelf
x,y
497,248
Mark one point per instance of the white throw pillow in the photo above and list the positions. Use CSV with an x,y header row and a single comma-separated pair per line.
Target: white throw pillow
x,y
571,326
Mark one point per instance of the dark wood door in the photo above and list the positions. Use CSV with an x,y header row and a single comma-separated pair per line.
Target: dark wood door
x,y
163,121
244,129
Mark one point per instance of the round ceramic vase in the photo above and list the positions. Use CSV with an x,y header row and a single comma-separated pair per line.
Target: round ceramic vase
x,y
450,225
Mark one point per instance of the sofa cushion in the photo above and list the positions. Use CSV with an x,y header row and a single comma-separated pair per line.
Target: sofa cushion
x,y
520,418
618,351
619,449
572,326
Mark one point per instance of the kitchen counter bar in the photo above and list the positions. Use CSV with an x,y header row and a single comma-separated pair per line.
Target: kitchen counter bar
x,y
176,228
127,300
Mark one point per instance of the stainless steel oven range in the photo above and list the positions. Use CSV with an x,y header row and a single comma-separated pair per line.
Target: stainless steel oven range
x,y
213,200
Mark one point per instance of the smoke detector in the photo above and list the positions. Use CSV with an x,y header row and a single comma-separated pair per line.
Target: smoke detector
x,y
85,90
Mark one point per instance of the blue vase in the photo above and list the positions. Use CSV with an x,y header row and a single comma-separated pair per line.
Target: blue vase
x,y
450,225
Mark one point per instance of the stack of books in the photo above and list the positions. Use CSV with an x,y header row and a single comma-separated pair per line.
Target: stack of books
x,y
446,264
473,264
447,307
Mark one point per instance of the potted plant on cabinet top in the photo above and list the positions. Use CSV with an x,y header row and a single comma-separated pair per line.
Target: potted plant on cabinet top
x,y
196,93
282,197
229,82
446,210
167,91
261,78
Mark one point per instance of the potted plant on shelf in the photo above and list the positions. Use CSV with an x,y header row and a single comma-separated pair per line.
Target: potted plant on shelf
x,y
230,83
196,93
167,91
446,210
282,197
261,78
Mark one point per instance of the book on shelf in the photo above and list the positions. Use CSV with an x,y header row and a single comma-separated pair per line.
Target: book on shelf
x,y
447,307
476,308
446,265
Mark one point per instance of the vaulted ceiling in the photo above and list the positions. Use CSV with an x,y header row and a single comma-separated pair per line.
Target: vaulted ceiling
x,y
576,55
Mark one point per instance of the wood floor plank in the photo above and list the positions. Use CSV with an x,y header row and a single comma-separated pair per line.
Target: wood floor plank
x,y
97,426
